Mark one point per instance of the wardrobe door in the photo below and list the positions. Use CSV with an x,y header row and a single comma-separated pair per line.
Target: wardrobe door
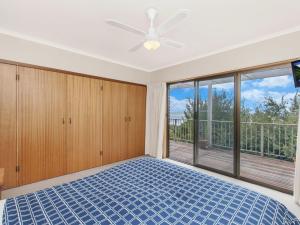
x,y
84,133
115,122
140,115
41,125
8,124
137,120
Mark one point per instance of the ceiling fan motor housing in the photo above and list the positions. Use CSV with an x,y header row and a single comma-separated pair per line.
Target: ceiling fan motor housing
x,y
152,33
152,38
151,13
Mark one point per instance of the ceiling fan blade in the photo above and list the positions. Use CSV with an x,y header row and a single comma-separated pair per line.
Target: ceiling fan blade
x,y
173,21
171,43
136,47
125,27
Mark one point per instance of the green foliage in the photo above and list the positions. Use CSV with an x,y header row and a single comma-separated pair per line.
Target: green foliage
x,y
189,111
278,140
222,105
288,152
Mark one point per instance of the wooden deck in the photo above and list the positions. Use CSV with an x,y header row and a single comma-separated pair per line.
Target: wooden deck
x,y
276,172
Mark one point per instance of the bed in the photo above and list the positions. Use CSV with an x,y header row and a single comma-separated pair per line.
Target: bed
x,y
146,191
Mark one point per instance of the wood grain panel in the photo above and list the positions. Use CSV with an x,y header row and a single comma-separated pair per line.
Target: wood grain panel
x,y
140,116
131,112
114,122
41,135
8,123
84,142
136,126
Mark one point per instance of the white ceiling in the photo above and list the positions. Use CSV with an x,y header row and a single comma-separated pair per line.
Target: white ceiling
x,y
212,26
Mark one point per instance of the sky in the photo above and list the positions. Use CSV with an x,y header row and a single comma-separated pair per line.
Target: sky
x,y
253,92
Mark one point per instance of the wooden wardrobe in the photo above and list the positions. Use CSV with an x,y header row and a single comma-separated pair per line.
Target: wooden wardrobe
x,y
8,124
53,123
84,123
41,132
123,132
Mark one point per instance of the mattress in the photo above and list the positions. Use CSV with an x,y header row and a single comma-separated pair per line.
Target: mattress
x,y
147,191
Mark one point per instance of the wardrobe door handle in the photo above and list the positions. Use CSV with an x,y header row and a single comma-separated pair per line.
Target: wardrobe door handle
x,y
70,121
129,118
63,121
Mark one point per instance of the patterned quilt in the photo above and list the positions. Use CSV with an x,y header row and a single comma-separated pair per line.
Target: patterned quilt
x,y
146,191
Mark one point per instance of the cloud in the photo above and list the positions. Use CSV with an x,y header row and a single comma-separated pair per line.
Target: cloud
x,y
225,86
186,90
254,95
290,96
277,96
177,105
272,82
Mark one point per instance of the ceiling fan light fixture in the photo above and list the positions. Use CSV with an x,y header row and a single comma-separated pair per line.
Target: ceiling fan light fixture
x,y
154,37
151,44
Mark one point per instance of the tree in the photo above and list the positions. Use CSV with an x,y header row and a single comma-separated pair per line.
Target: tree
x,y
294,110
222,109
245,112
222,105
280,139
276,110
268,118
295,103
189,110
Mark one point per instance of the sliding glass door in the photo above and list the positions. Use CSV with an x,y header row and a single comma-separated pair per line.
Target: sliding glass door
x,y
268,127
215,110
181,100
243,125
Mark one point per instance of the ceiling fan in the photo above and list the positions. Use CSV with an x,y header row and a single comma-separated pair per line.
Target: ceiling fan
x,y
155,35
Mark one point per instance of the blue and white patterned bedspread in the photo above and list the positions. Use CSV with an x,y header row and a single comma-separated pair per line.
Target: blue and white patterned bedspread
x,y
146,191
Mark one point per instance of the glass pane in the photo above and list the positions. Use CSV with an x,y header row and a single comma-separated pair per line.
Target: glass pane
x,y
268,129
181,122
215,124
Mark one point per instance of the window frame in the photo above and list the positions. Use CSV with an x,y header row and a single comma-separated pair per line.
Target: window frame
x,y
236,139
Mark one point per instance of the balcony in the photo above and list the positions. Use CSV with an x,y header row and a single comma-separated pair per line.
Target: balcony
x,y
267,149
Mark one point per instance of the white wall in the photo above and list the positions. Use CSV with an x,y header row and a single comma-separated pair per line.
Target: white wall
x,y
23,51
270,51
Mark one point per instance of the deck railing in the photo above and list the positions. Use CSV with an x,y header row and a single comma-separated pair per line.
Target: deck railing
x,y
266,139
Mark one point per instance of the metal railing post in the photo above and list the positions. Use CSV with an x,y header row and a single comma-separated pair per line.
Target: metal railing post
x,y
252,142
262,140
175,131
